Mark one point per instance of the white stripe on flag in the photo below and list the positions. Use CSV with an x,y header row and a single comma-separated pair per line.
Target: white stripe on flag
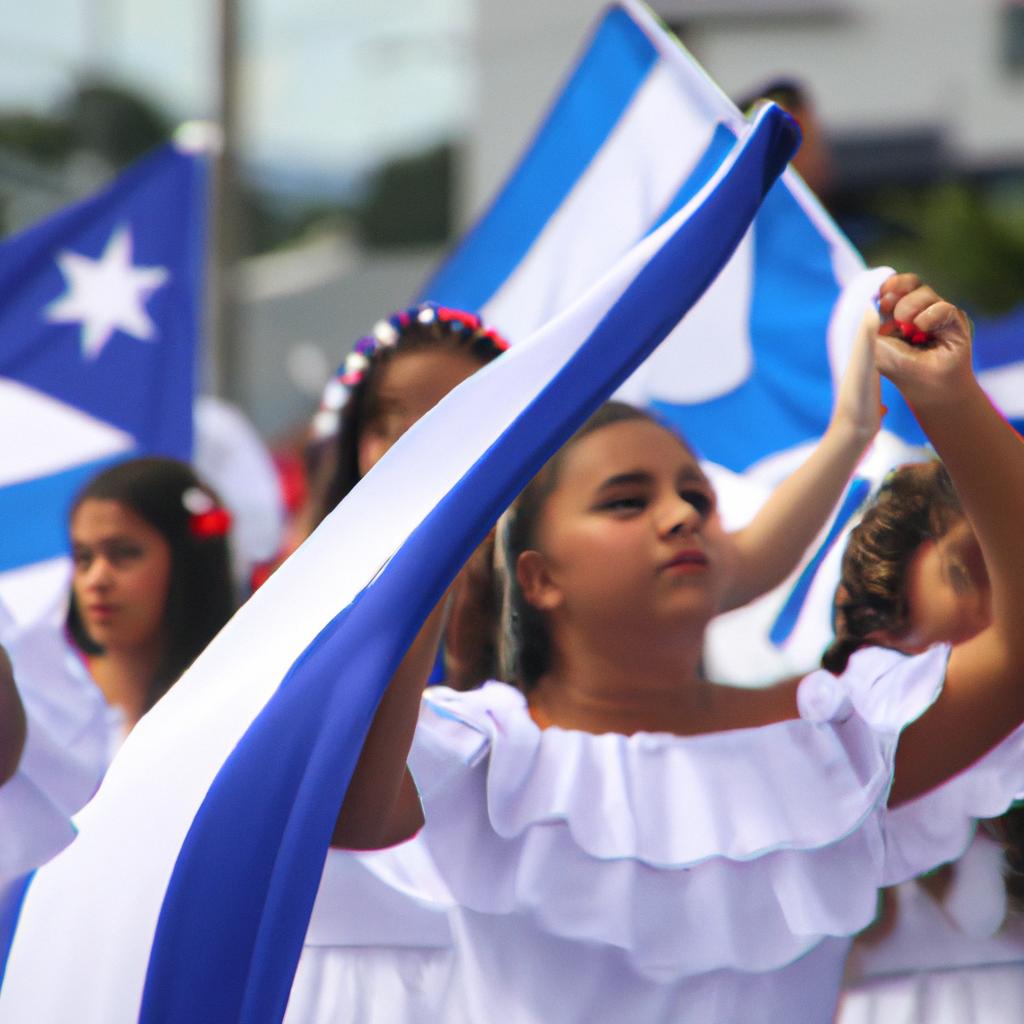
x,y
1005,386
60,435
613,204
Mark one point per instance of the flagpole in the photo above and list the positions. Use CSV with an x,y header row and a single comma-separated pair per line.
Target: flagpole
x,y
222,315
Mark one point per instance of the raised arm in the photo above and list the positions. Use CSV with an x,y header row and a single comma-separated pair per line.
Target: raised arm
x,y
983,696
772,544
382,806
12,721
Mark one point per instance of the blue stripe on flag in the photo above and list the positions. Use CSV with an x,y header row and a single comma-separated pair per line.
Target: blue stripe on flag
x,y
236,910
33,530
999,342
597,94
787,398
12,899
787,618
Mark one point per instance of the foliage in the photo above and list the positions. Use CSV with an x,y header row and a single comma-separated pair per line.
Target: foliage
x,y
965,235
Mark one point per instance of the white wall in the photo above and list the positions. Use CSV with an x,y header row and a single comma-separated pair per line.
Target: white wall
x,y
872,65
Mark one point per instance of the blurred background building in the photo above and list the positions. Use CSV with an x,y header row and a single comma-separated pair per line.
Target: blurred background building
x,y
366,135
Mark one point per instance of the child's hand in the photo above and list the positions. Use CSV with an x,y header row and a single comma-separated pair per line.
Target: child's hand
x,y
940,367
858,401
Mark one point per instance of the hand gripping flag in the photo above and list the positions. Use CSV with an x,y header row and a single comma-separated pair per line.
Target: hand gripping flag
x,y
98,333
188,890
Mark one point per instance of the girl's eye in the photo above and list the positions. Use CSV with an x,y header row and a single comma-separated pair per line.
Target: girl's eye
x,y
626,503
81,559
699,500
123,554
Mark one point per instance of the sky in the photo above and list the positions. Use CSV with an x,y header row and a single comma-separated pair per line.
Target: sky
x,y
324,84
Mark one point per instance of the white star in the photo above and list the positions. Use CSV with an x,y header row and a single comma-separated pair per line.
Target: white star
x,y
106,295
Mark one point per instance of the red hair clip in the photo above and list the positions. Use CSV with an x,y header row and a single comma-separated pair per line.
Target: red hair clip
x,y
214,523
206,517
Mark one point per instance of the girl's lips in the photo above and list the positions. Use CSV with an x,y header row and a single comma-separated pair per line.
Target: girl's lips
x,y
100,611
687,561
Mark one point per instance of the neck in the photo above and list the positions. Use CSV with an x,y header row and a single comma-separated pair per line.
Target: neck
x,y
642,686
124,678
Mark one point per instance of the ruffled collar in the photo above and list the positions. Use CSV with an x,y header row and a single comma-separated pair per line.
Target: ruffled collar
x,y
732,850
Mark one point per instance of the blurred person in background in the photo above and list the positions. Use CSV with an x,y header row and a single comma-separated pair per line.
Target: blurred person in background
x,y
151,586
813,161
391,378
151,580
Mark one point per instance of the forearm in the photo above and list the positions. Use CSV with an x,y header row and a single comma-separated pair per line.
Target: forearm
x,y
381,806
771,546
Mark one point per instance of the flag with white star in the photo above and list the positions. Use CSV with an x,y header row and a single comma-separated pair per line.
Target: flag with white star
x,y
99,328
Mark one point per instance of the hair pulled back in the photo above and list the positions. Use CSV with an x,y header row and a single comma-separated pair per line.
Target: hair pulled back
x,y
200,594
526,642
916,504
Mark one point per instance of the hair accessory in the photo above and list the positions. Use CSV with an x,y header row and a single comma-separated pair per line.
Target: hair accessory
x,y
386,334
206,517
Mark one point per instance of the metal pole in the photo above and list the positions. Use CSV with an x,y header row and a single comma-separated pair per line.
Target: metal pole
x,y
223,322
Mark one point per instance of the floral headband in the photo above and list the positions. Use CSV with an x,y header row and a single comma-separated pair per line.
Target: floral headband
x,y
386,334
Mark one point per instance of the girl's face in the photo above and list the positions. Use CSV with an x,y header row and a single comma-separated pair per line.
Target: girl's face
x,y
630,532
121,576
410,385
948,593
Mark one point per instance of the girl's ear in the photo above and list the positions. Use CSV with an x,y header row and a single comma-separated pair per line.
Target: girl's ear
x,y
538,588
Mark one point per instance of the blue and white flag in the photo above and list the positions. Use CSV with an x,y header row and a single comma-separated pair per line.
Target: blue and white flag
x,y
999,362
636,130
187,893
99,324
749,375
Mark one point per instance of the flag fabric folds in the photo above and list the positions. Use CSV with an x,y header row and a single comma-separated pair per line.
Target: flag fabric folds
x,y
201,855
748,375
98,336
637,128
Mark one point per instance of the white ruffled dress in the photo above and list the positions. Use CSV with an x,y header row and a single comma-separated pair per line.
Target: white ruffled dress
x,y
958,958
66,752
566,876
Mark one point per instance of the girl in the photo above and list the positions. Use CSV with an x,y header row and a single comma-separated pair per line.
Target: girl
x,y
393,377
151,585
951,947
390,379
622,839
151,581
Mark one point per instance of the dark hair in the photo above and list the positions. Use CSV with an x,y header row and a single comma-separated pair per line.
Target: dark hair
x,y
200,596
1009,830
450,331
788,93
916,504
526,653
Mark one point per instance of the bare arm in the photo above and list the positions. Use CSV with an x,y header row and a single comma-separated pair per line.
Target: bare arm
x,y
772,544
983,696
382,806
12,721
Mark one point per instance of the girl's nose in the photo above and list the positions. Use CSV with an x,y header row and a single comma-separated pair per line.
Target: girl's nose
x,y
680,517
98,573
